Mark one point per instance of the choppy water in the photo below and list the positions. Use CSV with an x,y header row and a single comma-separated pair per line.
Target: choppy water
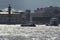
x,y
40,32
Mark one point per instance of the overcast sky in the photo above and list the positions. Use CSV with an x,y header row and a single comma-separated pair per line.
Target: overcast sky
x,y
28,4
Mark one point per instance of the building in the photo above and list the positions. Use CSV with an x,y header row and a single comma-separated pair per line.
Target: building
x,y
43,15
40,16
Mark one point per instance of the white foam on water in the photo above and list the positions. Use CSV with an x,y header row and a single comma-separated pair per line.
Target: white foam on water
x,y
40,31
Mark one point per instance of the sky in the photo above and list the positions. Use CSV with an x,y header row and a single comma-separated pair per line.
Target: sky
x,y
28,4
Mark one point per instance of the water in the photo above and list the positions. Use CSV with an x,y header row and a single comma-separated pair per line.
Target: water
x,y
40,32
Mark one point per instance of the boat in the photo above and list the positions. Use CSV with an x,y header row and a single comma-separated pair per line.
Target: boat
x,y
29,24
53,22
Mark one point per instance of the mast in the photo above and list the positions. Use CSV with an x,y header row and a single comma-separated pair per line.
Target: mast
x,y
30,18
9,14
9,9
